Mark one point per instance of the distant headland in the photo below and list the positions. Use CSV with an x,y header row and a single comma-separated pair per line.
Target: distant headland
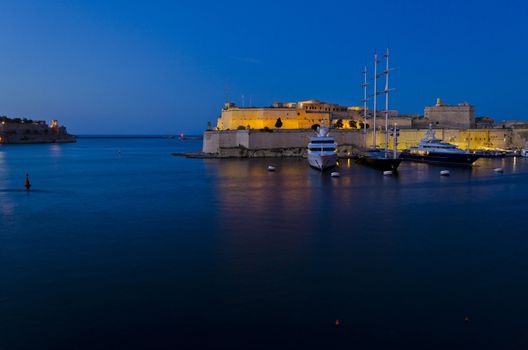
x,y
27,131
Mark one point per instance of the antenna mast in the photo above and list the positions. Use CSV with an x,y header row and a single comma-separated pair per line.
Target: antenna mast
x,y
365,105
386,92
375,94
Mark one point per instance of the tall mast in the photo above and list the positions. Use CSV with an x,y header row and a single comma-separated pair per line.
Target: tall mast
x,y
386,101
375,94
365,105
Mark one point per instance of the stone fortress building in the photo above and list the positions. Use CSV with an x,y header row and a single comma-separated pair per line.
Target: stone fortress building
x,y
239,130
441,116
299,115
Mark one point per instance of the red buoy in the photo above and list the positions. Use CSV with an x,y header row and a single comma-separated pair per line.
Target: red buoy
x,y
27,184
337,323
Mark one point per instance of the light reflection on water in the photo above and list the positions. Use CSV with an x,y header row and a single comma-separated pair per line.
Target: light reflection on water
x,y
133,247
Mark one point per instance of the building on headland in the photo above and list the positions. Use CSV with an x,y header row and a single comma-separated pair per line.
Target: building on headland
x,y
441,115
484,122
514,124
22,130
239,130
300,115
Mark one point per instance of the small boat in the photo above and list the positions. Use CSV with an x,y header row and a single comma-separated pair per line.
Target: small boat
x,y
445,173
434,151
335,174
498,170
490,154
322,148
271,168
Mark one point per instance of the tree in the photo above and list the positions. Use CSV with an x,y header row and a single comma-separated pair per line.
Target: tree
x,y
315,126
338,124
352,124
241,127
278,123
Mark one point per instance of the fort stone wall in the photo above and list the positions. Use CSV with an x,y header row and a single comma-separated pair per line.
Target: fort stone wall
x,y
253,143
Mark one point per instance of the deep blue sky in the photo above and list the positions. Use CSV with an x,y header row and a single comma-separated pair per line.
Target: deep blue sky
x,y
165,67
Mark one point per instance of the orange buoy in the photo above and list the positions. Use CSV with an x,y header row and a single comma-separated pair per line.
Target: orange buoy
x,y
337,323
27,184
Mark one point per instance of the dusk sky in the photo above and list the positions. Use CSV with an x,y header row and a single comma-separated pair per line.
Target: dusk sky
x,y
148,67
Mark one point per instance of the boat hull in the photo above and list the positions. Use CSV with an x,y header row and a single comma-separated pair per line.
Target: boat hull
x,y
322,162
380,163
453,159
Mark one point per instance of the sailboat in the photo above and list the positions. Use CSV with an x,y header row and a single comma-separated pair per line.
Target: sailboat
x,y
377,157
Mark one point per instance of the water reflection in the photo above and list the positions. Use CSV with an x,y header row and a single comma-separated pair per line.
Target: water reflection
x,y
296,193
227,249
55,150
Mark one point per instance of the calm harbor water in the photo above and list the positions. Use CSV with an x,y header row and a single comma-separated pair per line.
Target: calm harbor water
x,y
120,245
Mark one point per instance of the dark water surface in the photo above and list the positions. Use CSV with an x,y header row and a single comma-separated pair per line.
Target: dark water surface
x,y
142,250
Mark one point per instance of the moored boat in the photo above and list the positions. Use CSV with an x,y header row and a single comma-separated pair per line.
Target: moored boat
x,y
434,151
322,150
524,151
379,159
490,153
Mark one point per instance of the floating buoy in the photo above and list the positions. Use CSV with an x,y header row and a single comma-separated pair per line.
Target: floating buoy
x,y
27,184
466,319
337,323
335,174
498,170
271,168
387,172
445,173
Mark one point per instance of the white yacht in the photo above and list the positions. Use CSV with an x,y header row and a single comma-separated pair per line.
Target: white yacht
x,y
524,151
435,151
322,150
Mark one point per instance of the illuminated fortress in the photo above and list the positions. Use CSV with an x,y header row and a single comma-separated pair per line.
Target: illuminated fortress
x,y
293,115
283,128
